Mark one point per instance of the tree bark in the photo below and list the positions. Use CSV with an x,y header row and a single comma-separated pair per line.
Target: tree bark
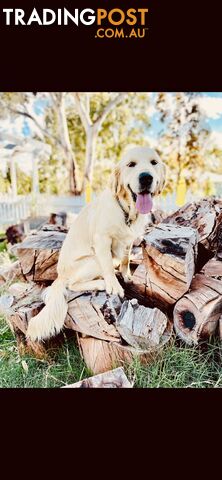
x,y
91,137
65,140
13,176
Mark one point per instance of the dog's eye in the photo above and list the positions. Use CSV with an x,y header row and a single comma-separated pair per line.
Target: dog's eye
x,y
131,164
154,162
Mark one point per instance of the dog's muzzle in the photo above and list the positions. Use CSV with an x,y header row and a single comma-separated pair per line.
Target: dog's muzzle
x,y
145,182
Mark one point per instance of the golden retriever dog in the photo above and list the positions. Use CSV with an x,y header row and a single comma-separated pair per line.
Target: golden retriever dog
x,y
101,237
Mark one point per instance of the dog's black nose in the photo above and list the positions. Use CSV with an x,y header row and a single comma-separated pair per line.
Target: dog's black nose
x,y
145,179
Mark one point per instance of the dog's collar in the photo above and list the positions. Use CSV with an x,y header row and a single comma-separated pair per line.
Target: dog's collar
x,y
128,220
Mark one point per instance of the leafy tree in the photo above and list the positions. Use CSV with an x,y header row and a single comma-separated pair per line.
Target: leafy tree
x,y
183,138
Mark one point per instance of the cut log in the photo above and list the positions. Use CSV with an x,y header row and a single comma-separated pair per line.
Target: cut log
x,y
113,379
24,308
169,253
205,216
196,315
38,255
101,356
11,272
139,326
89,313
93,314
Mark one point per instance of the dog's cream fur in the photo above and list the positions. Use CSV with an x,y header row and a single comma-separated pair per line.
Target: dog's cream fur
x,y
98,240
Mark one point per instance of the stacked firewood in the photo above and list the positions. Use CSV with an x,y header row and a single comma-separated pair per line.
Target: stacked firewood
x,y
181,270
177,280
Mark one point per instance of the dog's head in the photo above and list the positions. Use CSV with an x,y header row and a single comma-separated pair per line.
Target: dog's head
x,y
140,174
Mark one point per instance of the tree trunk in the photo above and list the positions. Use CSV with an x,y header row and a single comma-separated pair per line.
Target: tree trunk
x,y
91,137
13,176
35,176
65,139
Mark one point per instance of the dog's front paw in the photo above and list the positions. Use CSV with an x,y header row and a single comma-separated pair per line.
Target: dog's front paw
x,y
113,286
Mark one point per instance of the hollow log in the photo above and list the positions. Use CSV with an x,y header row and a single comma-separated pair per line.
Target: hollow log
x,y
196,315
205,216
38,255
139,326
113,379
168,266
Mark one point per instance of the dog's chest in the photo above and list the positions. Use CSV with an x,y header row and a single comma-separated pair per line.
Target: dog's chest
x,y
122,241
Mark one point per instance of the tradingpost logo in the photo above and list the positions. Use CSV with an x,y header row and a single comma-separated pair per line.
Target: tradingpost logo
x,y
113,23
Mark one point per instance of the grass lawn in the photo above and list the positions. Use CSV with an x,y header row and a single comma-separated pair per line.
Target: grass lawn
x,y
178,366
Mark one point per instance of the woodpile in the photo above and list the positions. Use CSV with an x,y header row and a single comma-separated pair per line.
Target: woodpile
x,y
177,280
181,270
95,317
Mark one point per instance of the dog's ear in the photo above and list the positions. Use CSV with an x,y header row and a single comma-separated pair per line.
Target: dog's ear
x,y
115,184
162,178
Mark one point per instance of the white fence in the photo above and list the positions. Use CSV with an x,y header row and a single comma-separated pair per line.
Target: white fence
x,y
22,207
13,210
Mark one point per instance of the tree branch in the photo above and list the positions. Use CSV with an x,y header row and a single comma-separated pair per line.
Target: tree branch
x,y
42,129
84,115
108,108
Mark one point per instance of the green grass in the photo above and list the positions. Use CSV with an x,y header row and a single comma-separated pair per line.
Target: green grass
x,y
178,366
28,372
181,366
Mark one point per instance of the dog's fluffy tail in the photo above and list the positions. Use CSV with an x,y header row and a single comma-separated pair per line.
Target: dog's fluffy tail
x,y
51,319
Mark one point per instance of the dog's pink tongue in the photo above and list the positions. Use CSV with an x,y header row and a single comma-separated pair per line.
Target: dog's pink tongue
x,y
144,202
